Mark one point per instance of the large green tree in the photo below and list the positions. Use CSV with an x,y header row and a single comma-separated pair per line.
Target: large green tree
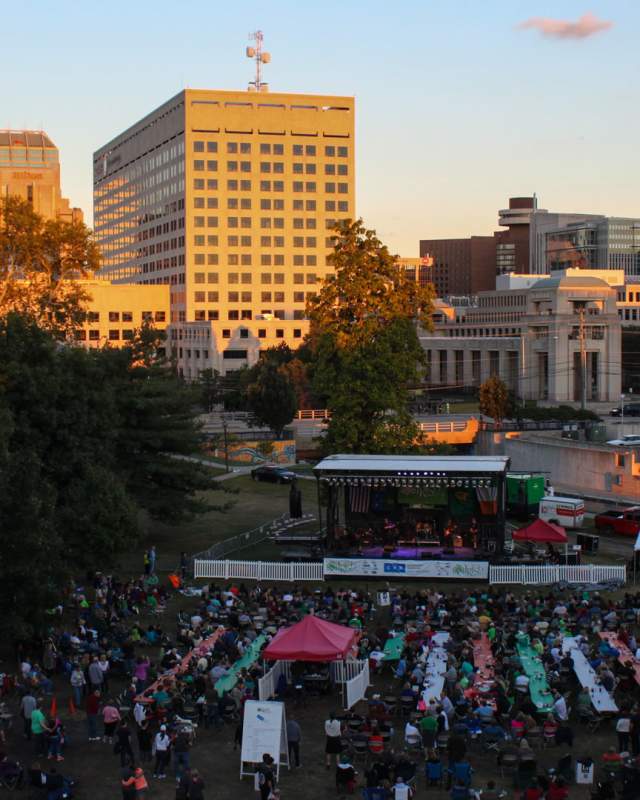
x,y
365,345
40,262
271,397
88,440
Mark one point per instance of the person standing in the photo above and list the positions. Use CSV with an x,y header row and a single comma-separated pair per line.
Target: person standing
x,y
78,682
39,728
294,737
92,707
104,665
27,705
110,719
123,743
195,787
266,779
146,563
181,747
162,744
333,746
96,676
152,559
144,741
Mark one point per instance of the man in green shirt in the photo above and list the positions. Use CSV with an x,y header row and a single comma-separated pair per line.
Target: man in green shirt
x,y
428,727
38,729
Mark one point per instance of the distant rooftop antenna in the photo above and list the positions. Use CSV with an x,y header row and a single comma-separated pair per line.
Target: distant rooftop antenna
x,y
258,85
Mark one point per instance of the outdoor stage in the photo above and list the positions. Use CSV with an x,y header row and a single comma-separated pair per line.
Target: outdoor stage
x,y
413,508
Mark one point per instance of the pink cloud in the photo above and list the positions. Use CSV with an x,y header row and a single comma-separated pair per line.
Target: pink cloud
x,y
587,25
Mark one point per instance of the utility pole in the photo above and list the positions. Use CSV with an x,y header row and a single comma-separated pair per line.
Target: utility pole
x,y
225,440
583,362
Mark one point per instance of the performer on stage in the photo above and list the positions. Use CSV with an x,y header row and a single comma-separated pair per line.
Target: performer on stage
x,y
473,532
448,535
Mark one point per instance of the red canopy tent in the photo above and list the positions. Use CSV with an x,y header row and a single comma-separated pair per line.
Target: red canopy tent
x,y
311,639
541,531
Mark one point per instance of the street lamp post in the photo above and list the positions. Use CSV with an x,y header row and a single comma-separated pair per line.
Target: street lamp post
x,y
622,416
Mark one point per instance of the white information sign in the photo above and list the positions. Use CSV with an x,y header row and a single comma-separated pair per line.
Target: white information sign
x,y
461,570
264,731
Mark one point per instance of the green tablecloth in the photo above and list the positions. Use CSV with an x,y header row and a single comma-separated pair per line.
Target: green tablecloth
x,y
393,648
534,670
229,680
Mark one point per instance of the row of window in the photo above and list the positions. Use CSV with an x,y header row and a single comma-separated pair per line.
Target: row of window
x,y
247,277
244,148
127,316
247,297
94,336
246,314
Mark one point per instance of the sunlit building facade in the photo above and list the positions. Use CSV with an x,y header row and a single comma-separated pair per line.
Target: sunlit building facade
x,y
30,169
229,199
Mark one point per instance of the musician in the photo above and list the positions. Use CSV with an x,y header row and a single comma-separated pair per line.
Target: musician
x,y
473,533
448,534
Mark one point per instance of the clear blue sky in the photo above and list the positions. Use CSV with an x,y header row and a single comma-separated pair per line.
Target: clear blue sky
x,y
456,108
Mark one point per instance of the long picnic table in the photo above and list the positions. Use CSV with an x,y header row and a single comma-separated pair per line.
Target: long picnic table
x,y
625,656
435,669
601,700
534,670
250,656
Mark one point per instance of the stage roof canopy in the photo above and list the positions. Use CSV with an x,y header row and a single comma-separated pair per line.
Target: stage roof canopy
x,y
311,639
541,531
480,470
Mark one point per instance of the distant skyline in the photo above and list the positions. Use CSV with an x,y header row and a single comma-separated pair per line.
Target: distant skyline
x,y
458,106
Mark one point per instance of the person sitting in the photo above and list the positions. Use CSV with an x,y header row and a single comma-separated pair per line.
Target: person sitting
x,y
459,791
405,768
490,793
11,773
401,790
557,789
412,737
433,768
533,791
549,729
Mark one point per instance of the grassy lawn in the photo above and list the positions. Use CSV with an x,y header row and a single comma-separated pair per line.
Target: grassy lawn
x,y
253,503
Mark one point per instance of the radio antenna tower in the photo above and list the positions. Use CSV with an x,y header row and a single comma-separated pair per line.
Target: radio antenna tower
x,y
260,57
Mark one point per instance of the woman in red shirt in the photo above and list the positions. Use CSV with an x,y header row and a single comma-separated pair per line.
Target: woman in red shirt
x,y
557,790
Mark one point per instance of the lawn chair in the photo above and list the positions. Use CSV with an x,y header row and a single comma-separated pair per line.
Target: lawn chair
x,y
433,773
460,771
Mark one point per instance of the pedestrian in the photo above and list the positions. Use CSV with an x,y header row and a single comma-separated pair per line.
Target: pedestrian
x,y
144,742
92,707
127,783
181,745
152,559
27,705
96,676
265,777
136,778
110,720
123,743
146,563
104,666
162,746
184,562
333,747
195,786
78,682
294,736
56,740
39,728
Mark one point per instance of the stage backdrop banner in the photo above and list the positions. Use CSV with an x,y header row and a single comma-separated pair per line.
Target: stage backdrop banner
x,y
462,570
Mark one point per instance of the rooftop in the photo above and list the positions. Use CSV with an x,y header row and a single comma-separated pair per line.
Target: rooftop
x,y
367,464
571,282
25,139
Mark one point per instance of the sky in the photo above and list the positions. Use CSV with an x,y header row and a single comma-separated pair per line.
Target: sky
x,y
459,104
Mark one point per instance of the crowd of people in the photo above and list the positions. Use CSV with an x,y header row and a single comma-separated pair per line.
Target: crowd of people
x,y
140,694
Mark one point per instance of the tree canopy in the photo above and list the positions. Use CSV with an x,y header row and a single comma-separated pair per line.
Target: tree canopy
x,y
270,396
365,346
88,440
494,398
40,261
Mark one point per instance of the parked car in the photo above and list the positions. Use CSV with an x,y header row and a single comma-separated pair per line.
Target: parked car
x,y
630,440
273,473
630,410
625,521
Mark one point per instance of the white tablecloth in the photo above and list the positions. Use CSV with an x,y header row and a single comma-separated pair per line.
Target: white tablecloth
x,y
436,668
600,697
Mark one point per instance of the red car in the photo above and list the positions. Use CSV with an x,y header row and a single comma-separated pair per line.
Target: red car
x,y
625,521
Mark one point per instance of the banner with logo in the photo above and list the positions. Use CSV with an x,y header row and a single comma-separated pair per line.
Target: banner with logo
x,y
392,568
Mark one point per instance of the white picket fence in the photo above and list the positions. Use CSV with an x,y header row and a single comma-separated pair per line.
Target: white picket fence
x,y
344,671
551,573
258,570
269,683
356,687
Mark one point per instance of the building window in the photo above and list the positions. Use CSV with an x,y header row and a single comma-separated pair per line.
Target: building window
x,y
94,336
244,333
262,333
198,147
114,316
114,335
198,165
297,333
226,333
212,147
234,354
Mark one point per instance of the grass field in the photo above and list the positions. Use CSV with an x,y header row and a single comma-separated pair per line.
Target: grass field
x,y
252,503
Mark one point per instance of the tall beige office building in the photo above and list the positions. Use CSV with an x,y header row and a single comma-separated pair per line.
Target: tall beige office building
x,y
30,168
228,197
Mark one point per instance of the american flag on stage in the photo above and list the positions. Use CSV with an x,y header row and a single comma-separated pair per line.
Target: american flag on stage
x,y
359,498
